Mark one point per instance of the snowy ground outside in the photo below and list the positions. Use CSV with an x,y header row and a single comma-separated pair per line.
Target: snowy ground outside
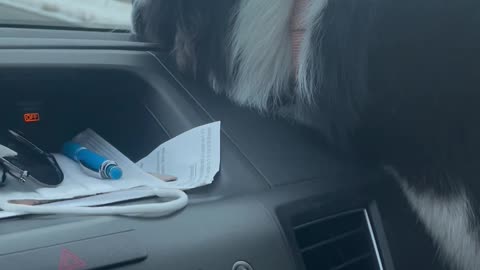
x,y
86,13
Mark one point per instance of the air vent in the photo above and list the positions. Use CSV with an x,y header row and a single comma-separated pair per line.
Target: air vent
x,y
341,242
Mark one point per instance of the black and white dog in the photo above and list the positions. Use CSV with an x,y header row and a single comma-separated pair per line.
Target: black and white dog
x,y
398,81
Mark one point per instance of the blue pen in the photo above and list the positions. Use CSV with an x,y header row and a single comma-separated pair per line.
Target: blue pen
x,y
93,164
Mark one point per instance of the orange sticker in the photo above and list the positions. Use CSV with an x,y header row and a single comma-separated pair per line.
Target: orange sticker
x,y
31,117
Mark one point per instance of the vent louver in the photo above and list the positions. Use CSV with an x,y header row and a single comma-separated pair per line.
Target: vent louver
x,y
341,242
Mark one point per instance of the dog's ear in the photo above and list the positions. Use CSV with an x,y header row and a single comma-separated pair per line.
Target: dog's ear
x,y
155,21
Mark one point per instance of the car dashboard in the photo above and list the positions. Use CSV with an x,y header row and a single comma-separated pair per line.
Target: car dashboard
x,y
282,199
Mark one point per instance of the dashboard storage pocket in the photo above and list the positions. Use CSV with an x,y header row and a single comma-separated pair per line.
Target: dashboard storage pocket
x,y
51,106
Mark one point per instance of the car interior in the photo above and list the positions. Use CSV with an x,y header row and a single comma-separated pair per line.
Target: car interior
x,y
282,198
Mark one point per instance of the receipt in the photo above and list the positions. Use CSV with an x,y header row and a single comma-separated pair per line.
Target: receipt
x,y
192,157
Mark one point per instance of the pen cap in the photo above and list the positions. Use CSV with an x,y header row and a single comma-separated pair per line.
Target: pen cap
x,y
114,172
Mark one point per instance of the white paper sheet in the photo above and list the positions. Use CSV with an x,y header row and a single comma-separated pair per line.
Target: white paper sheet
x,y
193,157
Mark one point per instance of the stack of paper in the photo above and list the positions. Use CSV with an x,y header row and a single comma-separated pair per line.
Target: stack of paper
x,y
193,157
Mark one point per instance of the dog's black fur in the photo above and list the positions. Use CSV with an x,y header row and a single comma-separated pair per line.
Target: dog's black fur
x,y
398,81
204,24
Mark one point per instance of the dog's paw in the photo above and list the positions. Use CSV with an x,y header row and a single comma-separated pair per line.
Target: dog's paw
x,y
154,20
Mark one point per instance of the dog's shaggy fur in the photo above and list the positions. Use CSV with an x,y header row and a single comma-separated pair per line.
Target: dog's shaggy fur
x,y
395,80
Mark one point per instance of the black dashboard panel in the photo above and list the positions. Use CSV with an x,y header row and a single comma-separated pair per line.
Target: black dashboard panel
x,y
273,173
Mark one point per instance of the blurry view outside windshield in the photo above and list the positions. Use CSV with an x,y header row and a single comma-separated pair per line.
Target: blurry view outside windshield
x,y
105,14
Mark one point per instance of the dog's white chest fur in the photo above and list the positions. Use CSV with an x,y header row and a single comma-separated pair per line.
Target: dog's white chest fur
x,y
448,220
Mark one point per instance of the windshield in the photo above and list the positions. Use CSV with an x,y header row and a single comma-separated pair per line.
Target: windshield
x,y
94,14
